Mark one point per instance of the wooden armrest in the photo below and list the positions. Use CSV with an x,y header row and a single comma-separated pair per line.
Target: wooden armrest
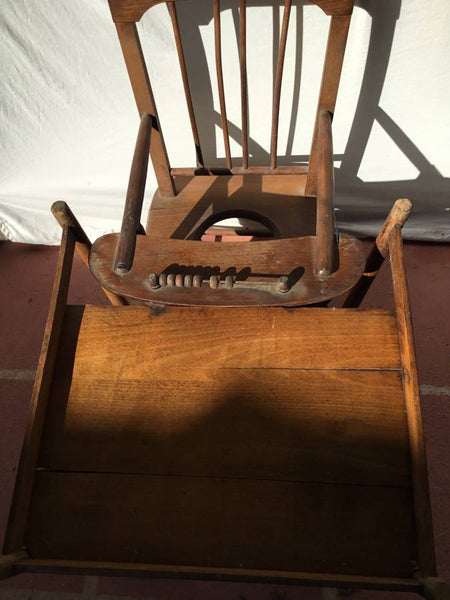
x,y
325,259
135,195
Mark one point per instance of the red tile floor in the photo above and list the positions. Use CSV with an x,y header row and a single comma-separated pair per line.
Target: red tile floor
x,y
26,274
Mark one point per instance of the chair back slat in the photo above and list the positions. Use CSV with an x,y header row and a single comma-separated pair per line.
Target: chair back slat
x,y
137,71
184,76
334,57
278,80
219,70
127,12
244,86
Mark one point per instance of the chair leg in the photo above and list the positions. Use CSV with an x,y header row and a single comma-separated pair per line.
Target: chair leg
x,y
65,217
398,215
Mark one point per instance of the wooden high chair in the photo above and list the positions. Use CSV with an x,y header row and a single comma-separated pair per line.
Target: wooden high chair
x,y
197,428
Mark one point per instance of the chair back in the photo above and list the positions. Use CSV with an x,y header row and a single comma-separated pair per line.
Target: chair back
x,y
126,13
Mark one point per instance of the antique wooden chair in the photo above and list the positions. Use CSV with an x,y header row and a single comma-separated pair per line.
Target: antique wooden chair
x,y
207,431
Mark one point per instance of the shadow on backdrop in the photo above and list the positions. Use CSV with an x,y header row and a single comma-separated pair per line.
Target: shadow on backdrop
x,y
362,205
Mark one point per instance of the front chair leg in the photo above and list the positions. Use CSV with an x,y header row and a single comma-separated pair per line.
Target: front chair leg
x,y
398,215
65,217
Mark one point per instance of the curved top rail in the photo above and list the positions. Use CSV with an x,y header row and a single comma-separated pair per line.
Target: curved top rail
x,y
129,11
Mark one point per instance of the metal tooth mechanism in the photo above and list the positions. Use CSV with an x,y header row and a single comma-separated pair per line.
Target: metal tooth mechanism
x,y
188,280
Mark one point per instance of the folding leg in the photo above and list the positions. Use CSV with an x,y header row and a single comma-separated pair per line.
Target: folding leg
x,y
398,216
65,217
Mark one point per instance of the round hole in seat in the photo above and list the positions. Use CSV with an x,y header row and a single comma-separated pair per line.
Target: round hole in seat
x,y
248,226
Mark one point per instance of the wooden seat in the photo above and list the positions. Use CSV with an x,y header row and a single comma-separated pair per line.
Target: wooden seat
x,y
203,200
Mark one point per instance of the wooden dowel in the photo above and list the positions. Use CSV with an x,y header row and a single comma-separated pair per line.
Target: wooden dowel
x,y
398,216
325,241
419,471
219,70
184,75
126,243
66,218
244,85
334,57
278,80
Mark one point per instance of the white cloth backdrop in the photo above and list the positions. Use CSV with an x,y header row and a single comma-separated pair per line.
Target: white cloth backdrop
x,y
68,119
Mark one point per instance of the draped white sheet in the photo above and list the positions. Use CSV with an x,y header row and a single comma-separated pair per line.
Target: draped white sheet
x,y
68,119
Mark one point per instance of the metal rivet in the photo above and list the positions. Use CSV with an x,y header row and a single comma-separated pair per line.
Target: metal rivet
x,y
154,281
214,282
179,280
283,284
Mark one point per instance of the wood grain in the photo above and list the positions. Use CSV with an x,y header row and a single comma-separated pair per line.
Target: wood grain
x,y
220,85
427,560
327,249
143,94
125,11
310,338
201,197
278,82
131,219
398,215
334,58
14,537
184,75
334,580
256,268
284,424
260,524
243,79
66,218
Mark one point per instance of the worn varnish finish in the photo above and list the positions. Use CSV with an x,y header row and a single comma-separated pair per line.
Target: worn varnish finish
x,y
424,521
320,172
257,388
66,218
398,216
125,11
30,449
334,58
137,71
315,404
154,432
187,90
260,523
255,268
131,225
